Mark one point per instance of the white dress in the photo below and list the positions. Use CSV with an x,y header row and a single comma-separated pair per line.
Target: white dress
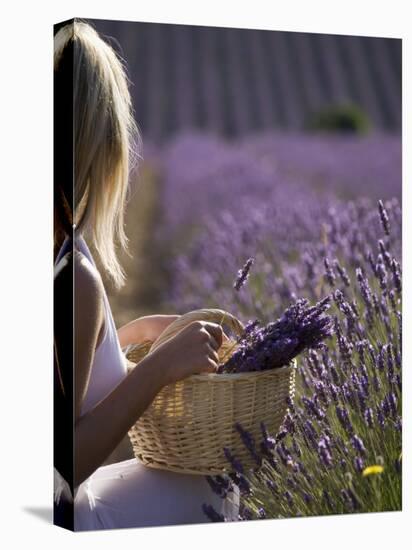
x,y
127,493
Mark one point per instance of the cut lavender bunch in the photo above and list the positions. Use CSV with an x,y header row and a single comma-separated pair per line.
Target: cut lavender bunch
x,y
275,345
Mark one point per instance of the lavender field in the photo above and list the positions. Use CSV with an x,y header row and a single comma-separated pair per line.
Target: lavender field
x,y
321,216
235,168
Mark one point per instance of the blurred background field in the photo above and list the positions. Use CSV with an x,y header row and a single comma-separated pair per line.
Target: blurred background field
x,y
230,114
278,146
234,82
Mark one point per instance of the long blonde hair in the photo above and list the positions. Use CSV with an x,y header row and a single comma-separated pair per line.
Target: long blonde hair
x,y
106,140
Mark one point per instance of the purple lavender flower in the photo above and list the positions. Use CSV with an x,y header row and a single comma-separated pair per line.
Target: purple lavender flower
x,y
329,274
313,407
289,423
245,512
267,445
243,274
358,444
324,452
354,306
361,398
392,401
344,419
241,482
382,274
334,392
284,455
368,415
380,415
336,379
307,497
379,306
281,435
361,347
364,288
269,441
389,362
384,218
342,272
359,464
250,326
346,309
350,499
234,462
372,263
380,359
345,349
354,499
310,434
261,513
249,443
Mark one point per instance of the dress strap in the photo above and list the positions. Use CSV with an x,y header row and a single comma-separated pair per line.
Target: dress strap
x,y
81,245
65,247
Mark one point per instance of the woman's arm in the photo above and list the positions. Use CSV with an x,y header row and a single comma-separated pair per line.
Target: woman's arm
x,y
102,428
99,430
144,328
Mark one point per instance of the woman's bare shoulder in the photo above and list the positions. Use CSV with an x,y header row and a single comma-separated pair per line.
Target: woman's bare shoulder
x,y
78,305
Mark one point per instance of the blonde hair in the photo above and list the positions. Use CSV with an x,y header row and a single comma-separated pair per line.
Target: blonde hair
x,y
106,140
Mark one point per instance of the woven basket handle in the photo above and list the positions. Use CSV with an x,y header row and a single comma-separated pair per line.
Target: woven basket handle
x,y
211,315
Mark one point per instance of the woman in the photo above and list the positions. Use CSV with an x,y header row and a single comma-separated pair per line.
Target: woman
x,y
91,87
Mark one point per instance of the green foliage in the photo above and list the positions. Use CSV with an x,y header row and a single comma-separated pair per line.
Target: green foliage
x,y
344,118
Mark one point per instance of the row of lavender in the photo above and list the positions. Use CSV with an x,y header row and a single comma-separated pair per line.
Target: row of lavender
x,y
306,209
281,199
237,81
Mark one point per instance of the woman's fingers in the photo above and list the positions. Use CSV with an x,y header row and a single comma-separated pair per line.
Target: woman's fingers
x,y
213,354
216,333
225,337
212,366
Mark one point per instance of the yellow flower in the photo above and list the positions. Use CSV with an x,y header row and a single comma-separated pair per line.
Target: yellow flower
x,y
370,470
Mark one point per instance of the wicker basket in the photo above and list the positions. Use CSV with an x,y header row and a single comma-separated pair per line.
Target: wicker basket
x,y
189,423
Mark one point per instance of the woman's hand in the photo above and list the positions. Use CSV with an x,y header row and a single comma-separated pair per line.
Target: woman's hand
x,y
192,351
144,328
